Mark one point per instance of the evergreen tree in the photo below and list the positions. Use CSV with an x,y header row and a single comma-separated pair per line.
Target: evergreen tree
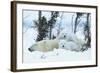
x,y
42,29
43,25
52,21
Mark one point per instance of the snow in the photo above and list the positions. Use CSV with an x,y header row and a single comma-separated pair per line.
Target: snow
x,y
52,56
57,55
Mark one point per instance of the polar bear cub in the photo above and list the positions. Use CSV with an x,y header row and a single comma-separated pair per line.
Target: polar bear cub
x,y
71,41
70,45
44,45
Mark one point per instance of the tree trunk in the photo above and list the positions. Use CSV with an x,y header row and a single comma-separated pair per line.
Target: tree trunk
x,y
75,24
39,18
50,26
88,32
39,35
76,20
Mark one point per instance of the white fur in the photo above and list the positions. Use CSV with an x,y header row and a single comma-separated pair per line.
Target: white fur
x,y
69,45
44,45
70,41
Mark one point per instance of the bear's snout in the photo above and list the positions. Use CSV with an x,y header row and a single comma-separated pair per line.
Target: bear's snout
x,y
64,36
63,46
30,49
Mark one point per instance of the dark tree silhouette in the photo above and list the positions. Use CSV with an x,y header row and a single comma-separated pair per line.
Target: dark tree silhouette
x,y
42,29
78,15
52,21
87,31
43,25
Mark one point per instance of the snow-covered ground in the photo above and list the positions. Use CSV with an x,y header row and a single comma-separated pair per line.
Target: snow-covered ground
x,y
65,21
63,55
56,55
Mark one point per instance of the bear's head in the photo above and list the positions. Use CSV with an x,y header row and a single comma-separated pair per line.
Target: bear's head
x,y
32,48
62,35
62,44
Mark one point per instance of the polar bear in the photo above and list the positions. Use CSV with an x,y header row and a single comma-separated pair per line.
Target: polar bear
x,y
69,36
44,45
72,45
71,41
